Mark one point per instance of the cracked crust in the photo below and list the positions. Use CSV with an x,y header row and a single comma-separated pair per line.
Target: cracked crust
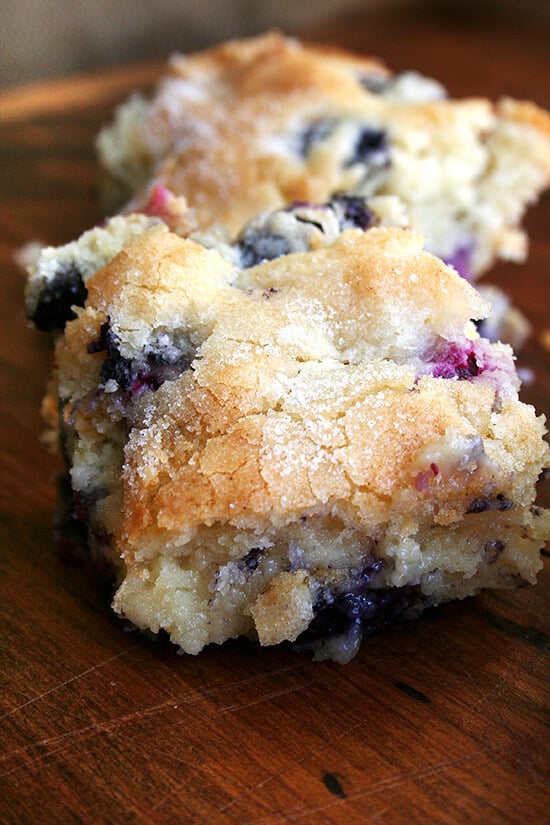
x,y
323,433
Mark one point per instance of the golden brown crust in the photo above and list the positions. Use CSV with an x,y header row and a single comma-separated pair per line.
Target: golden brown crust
x,y
332,421
236,130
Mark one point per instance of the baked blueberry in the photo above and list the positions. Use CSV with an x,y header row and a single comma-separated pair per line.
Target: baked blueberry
x,y
60,295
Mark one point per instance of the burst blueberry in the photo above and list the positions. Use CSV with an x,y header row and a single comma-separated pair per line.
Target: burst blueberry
x,y
134,375
55,304
371,147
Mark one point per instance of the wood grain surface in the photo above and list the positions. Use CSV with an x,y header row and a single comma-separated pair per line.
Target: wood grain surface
x,y
441,721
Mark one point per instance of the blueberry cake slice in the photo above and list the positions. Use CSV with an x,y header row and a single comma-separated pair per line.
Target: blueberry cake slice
x,y
252,125
294,444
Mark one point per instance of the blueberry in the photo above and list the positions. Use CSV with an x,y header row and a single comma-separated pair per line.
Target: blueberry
x,y
148,372
358,604
456,361
493,549
251,560
271,237
485,503
369,611
371,148
55,304
257,246
115,366
468,370
355,212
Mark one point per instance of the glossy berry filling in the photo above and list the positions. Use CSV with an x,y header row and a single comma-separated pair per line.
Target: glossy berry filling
x,y
449,359
358,610
134,375
360,605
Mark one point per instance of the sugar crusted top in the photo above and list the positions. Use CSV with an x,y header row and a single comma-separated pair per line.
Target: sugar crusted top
x,y
326,377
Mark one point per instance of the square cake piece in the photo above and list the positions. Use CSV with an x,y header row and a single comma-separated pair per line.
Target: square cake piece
x,y
254,124
298,436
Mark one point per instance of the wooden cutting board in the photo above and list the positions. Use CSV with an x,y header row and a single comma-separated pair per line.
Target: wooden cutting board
x,y
443,721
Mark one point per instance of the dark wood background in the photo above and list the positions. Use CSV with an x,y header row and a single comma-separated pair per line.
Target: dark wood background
x,y
444,720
